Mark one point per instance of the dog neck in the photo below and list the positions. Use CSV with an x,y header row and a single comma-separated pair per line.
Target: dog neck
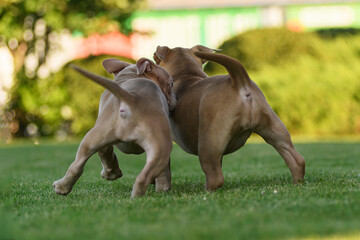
x,y
184,79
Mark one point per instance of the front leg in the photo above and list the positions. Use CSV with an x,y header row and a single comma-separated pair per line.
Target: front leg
x,y
211,165
211,149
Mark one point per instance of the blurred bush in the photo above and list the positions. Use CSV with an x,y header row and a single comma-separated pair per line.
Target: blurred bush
x,y
311,80
29,28
64,104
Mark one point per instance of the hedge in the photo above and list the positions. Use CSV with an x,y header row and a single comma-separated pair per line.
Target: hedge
x,y
311,80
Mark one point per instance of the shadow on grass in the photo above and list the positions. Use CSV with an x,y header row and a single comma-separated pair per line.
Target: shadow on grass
x,y
314,180
194,187
189,185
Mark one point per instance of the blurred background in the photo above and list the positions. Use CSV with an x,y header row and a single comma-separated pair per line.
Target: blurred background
x,y
304,55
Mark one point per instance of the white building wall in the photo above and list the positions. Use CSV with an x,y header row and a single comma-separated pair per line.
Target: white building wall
x,y
6,75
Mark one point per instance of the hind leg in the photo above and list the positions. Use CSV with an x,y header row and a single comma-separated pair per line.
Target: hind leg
x,y
91,143
153,167
275,133
157,160
109,161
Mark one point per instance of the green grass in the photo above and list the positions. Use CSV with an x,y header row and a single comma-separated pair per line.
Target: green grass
x,y
257,201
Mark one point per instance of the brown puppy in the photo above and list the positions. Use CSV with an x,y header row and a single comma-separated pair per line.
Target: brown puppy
x,y
215,115
133,115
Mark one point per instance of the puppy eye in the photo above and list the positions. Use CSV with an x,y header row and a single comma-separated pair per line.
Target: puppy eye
x,y
171,85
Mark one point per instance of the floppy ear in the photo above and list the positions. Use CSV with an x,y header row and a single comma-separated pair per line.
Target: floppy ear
x,y
202,48
142,65
114,65
160,54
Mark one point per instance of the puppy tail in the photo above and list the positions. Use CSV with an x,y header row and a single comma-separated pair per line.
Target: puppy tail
x,y
114,88
239,76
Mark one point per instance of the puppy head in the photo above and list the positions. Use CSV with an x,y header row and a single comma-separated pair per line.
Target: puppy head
x,y
150,70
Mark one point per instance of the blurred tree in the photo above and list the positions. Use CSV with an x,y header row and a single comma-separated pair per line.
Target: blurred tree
x,y
26,27
68,103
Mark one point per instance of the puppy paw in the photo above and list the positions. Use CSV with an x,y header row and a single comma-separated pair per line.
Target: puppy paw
x,y
61,188
136,193
111,175
138,190
162,186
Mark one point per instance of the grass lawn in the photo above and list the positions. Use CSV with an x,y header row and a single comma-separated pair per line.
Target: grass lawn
x,y
257,201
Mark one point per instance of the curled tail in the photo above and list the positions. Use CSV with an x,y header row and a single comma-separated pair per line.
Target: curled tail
x,y
114,88
239,76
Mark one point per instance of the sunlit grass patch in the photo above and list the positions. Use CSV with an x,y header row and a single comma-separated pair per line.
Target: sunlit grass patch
x,y
257,201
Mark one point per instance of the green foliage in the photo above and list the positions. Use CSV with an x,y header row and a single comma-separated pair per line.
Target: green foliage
x,y
87,17
26,26
311,80
331,33
267,46
66,101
